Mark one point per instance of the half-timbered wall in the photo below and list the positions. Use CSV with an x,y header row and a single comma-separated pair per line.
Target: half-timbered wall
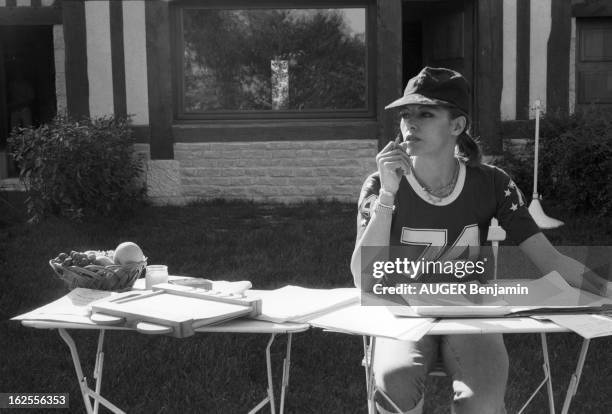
x,y
114,57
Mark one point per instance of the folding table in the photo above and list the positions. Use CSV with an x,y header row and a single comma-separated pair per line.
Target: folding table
x,y
460,326
234,326
521,325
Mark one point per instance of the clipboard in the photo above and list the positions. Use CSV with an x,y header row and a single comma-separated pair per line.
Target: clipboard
x,y
173,310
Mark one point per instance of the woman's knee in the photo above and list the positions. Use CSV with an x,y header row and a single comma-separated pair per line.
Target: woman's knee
x,y
400,369
405,386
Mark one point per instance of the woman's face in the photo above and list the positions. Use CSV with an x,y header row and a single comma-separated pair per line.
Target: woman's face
x,y
429,129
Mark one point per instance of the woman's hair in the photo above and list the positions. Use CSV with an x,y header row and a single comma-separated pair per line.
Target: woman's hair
x,y
468,148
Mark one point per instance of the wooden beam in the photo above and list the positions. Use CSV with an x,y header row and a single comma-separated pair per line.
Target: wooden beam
x,y
118,58
522,58
389,66
489,74
159,69
77,84
275,131
29,16
557,70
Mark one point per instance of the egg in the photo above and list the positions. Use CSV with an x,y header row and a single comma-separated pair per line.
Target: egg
x,y
128,252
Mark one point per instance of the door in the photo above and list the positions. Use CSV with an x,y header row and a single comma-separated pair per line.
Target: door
x,y
448,39
439,34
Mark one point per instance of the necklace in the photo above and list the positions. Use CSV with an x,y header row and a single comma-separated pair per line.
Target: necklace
x,y
437,194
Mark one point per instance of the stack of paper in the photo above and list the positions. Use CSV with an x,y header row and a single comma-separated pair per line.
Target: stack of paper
x,y
585,325
298,304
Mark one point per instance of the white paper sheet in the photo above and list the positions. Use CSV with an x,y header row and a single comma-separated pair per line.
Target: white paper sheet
x,y
298,304
374,321
75,306
587,326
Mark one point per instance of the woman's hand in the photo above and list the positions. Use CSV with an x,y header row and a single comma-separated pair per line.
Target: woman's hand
x,y
392,162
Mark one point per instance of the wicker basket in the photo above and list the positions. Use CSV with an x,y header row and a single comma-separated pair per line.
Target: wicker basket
x,y
114,277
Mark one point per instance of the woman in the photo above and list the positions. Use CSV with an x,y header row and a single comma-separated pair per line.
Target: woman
x,y
431,194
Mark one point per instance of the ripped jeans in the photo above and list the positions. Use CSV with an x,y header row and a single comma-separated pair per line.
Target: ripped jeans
x,y
477,364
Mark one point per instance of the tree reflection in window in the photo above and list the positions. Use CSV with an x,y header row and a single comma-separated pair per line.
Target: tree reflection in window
x,y
228,58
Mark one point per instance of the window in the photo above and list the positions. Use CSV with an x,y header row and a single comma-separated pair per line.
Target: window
x,y
273,60
594,61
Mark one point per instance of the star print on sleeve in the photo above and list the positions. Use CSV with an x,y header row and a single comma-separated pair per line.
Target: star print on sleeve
x,y
512,211
515,195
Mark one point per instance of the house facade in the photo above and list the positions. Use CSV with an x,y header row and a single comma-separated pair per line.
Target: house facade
x,y
283,100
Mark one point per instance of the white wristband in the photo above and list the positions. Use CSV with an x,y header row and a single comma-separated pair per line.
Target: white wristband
x,y
381,208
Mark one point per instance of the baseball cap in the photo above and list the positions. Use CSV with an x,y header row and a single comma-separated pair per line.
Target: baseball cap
x,y
436,86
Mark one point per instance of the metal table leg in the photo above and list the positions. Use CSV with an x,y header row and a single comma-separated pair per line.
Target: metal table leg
x,y
87,392
286,368
547,379
270,398
547,374
575,380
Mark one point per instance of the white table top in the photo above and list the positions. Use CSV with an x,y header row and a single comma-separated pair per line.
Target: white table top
x,y
233,326
493,325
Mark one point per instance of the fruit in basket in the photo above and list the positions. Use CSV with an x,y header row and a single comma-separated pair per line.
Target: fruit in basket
x,y
95,269
128,252
102,260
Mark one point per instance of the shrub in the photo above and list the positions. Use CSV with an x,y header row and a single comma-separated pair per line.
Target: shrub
x,y
575,161
78,168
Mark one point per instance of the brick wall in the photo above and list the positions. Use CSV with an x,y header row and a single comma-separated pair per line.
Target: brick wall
x,y
285,171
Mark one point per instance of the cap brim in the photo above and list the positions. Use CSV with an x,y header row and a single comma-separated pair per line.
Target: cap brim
x,y
415,99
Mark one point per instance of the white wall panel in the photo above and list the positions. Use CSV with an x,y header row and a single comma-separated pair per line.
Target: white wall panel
x,y
135,49
572,69
508,98
540,24
99,60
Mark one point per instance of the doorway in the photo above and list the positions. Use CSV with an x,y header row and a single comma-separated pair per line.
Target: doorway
x,y
439,33
27,83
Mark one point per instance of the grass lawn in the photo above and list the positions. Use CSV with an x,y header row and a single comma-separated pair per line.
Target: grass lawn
x,y
271,245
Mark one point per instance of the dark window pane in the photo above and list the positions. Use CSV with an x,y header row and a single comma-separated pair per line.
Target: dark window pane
x,y
282,59
596,87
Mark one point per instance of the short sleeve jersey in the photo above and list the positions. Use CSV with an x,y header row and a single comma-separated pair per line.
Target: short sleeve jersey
x,y
453,227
